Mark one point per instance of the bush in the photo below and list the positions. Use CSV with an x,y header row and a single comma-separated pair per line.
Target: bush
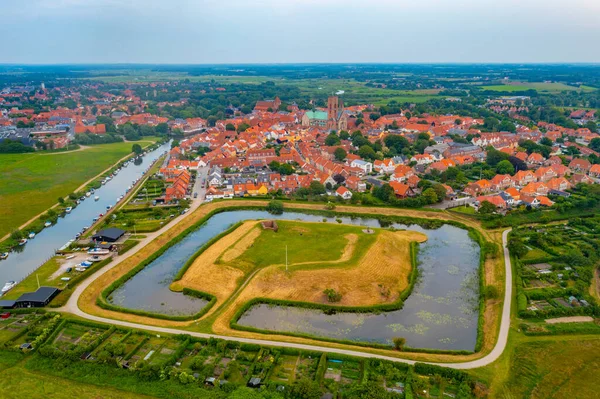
x,y
275,207
399,343
332,295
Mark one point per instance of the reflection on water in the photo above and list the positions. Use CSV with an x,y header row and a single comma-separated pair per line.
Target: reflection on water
x,y
441,313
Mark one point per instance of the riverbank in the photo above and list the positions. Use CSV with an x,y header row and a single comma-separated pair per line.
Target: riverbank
x,y
24,177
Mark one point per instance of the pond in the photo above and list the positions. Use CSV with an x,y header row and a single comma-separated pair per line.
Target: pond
x,y
441,313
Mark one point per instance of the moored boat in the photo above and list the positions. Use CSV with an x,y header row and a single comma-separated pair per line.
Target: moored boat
x,y
48,224
68,209
31,235
96,198
23,241
8,286
4,255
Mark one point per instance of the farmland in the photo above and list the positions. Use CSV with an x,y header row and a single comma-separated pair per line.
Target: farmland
x,y
541,87
38,179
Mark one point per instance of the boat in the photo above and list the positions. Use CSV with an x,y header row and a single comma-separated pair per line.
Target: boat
x,y
108,206
8,286
86,264
23,241
48,224
65,278
96,198
94,258
70,257
68,209
4,255
98,251
31,235
80,269
88,194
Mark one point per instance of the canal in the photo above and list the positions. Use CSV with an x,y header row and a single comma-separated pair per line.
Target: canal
x,y
441,312
26,259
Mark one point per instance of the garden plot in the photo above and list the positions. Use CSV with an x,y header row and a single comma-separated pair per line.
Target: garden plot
x,y
15,324
165,352
113,345
74,335
343,371
285,369
148,349
262,364
434,387
307,367
133,341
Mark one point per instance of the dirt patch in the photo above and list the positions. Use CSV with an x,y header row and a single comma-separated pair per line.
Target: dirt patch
x,y
241,246
572,319
208,275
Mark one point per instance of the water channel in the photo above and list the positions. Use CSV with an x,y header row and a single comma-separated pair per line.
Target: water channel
x,y
441,313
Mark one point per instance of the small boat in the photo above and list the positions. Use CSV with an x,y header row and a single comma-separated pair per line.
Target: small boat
x,y
92,191
78,202
48,224
8,286
68,209
96,198
70,257
88,194
108,206
23,241
65,278
31,235
94,258
98,251
4,255
80,269
86,264
77,235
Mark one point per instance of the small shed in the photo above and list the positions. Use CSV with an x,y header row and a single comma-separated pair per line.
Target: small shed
x,y
254,382
109,235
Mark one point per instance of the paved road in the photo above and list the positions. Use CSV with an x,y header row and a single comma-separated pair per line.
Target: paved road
x,y
72,307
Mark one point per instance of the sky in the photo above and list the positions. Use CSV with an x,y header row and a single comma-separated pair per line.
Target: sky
x,y
296,31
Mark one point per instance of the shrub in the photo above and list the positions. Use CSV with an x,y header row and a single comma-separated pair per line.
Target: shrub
x,y
275,207
399,343
332,295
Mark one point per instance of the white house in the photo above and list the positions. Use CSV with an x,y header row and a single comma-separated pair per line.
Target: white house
x,y
367,167
343,192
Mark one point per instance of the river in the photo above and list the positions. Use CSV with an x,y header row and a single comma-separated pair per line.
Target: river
x,y
32,255
441,313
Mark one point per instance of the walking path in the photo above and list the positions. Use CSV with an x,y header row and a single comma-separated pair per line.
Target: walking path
x,y
73,307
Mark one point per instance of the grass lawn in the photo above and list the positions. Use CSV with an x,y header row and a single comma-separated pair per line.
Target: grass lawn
x,y
32,183
19,383
547,367
535,253
306,242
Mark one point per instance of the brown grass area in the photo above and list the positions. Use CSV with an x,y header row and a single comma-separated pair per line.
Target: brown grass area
x,y
241,246
386,266
219,280
87,301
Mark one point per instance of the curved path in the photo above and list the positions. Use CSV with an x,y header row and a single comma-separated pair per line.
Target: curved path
x,y
73,307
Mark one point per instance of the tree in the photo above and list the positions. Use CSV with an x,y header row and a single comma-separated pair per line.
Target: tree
x,y
230,127
367,152
339,179
384,193
595,144
505,168
137,149
399,343
487,208
332,139
494,157
242,127
546,141
316,188
332,295
275,207
340,154
305,389
162,128
61,200
430,195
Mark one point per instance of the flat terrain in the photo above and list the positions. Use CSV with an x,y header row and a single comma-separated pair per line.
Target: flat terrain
x,y
32,183
559,367
538,86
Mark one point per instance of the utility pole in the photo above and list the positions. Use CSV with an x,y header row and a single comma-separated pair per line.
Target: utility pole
x,y
38,280
286,259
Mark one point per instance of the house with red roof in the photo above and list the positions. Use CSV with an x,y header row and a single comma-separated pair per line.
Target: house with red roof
x,y
580,165
343,192
401,190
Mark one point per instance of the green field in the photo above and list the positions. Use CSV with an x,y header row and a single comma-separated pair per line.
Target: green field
x,y
305,242
32,183
19,383
30,283
538,86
